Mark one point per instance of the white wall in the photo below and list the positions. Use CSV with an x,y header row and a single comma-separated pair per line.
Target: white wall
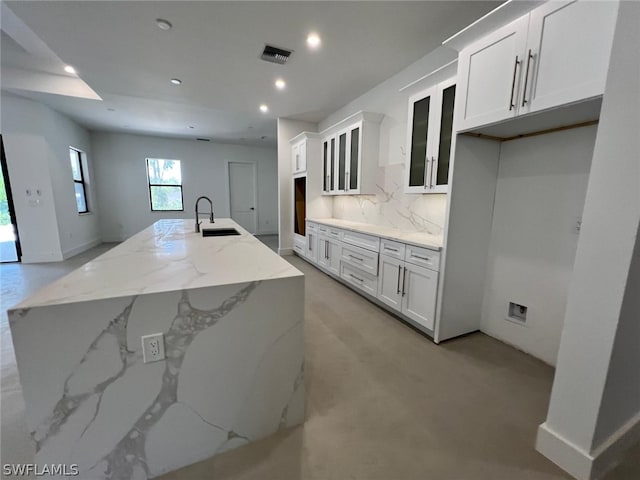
x,y
123,191
392,207
37,141
594,411
542,182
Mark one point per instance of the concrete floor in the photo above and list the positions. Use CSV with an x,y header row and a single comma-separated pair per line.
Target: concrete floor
x,y
383,401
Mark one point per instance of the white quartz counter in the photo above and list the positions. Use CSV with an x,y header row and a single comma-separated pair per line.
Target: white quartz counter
x,y
167,256
420,239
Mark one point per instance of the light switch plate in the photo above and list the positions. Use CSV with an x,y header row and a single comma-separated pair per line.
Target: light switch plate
x,y
153,347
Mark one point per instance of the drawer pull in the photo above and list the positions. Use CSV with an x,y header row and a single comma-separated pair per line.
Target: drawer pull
x,y
357,278
391,249
426,259
356,258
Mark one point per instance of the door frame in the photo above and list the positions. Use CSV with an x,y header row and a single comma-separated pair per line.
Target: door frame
x,y
12,210
255,188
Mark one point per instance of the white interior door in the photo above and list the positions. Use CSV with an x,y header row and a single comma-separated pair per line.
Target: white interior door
x,y
242,194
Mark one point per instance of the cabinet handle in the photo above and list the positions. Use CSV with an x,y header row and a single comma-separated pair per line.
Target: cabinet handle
x,y
426,259
356,258
326,249
526,79
513,84
404,279
433,164
357,278
310,248
399,270
391,249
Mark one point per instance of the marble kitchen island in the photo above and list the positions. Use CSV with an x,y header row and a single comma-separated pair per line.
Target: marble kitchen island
x,y
232,315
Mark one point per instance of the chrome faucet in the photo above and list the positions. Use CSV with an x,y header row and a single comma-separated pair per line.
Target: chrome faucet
x,y
210,213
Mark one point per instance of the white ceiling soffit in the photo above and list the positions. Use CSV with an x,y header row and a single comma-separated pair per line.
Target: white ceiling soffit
x,y
214,48
29,65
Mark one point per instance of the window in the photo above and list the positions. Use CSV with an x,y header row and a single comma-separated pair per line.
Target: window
x,y
79,182
165,184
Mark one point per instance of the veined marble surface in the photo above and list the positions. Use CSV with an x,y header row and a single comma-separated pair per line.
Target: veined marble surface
x,y
393,208
167,256
233,373
420,239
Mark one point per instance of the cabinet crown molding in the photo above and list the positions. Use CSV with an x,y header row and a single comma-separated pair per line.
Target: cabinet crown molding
x,y
304,136
369,117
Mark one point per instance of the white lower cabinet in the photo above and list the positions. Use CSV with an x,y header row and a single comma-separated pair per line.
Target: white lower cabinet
x,y
400,276
409,289
329,254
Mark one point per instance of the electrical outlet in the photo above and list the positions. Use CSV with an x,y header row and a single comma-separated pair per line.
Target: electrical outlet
x,y
153,347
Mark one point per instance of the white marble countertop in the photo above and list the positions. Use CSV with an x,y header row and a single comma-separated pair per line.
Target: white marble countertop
x,y
167,256
420,239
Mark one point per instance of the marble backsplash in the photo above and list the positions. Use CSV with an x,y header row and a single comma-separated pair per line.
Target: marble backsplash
x,y
391,207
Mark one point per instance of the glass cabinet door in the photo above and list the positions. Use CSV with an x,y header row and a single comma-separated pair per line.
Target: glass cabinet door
x,y
325,169
354,158
419,132
332,155
342,160
446,129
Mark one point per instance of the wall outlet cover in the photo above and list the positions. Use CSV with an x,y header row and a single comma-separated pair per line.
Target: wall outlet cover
x,y
153,347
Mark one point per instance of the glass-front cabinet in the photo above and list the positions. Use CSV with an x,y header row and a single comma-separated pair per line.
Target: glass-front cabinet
x,y
343,161
429,135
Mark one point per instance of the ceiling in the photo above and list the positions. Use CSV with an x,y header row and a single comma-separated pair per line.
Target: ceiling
x,y
124,59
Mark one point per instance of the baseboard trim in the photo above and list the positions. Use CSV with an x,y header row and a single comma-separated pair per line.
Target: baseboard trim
x,y
285,252
563,453
81,248
584,465
610,452
41,258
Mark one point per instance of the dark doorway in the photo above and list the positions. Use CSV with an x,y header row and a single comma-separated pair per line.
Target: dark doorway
x,y
9,242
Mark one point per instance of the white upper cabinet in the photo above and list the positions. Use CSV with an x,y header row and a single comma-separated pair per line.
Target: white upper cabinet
x,y
568,51
556,55
489,76
350,155
429,135
303,151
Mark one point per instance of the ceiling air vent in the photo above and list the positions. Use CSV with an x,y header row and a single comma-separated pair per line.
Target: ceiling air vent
x,y
275,55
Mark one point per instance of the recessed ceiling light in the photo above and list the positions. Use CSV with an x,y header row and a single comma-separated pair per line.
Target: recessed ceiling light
x,y
69,69
163,24
280,84
176,81
313,40
264,108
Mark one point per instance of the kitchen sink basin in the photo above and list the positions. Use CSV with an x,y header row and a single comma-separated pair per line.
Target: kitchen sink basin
x,y
219,232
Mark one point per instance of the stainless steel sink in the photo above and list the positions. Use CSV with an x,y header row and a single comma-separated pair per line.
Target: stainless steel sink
x,y
219,232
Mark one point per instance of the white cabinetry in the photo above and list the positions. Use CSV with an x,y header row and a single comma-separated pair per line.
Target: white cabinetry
x,y
311,249
350,155
304,150
429,134
408,288
556,55
329,253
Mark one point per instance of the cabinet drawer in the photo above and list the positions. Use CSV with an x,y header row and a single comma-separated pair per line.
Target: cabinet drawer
x,y
359,279
361,240
392,249
361,258
323,229
335,233
423,257
299,249
312,227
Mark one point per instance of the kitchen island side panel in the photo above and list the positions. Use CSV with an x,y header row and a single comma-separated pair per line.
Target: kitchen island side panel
x,y
233,373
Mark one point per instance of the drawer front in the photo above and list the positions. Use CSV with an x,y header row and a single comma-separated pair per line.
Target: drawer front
x,y
299,249
312,227
361,258
361,240
422,257
335,233
392,249
358,278
323,229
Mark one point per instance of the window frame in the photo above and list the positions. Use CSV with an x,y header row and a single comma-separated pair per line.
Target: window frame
x,y
149,185
81,157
